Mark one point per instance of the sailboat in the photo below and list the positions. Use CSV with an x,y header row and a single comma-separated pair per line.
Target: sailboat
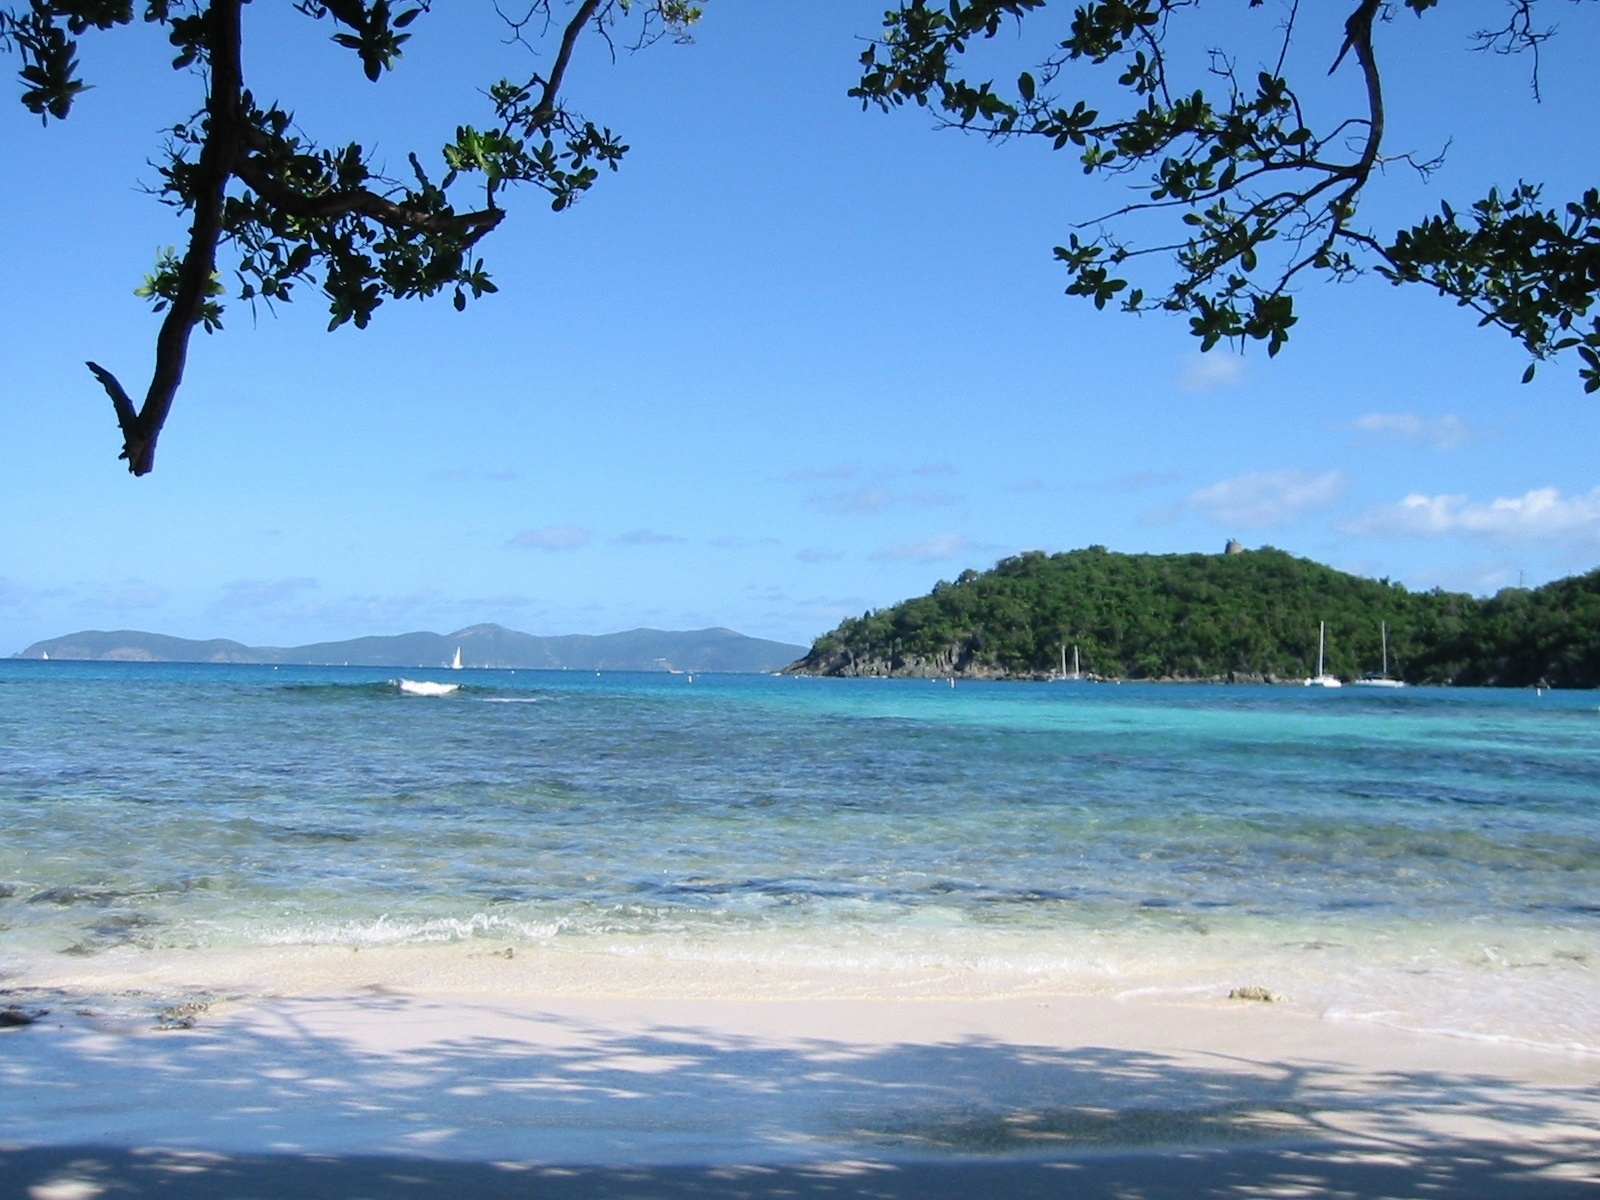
x,y
1076,674
1322,678
455,663
1380,680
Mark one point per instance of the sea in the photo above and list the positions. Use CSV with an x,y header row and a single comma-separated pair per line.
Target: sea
x,y
1423,858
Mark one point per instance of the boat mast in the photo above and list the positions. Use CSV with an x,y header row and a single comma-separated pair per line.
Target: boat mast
x,y
1322,637
1075,672
1063,660
1383,627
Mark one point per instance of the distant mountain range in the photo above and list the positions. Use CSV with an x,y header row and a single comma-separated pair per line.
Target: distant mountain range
x,y
480,646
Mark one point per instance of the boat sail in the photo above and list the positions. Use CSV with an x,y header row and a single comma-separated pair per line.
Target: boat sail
x,y
455,663
1076,673
1322,678
1380,681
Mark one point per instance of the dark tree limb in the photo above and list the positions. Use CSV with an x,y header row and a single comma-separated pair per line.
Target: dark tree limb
x,y
141,430
260,179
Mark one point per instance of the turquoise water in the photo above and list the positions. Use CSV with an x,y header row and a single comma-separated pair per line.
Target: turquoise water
x,y
1430,857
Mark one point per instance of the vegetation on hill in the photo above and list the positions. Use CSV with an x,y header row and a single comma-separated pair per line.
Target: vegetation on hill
x,y
1247,616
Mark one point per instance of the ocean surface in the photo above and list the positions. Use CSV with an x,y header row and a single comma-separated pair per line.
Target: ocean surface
x,y
1426,858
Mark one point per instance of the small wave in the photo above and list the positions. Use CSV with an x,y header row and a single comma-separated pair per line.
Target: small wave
x,y
384,932
426,687
514,699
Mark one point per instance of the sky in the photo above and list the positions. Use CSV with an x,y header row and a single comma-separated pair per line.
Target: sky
x,y
793,361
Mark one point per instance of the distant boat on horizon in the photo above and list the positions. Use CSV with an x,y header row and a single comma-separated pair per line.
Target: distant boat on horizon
x,y
1380,681
455,663
1322,678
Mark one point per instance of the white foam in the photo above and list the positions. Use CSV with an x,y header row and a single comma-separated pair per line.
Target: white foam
x,y
424,687
384,932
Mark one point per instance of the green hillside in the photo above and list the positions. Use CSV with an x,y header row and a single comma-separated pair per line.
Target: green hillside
x,y
1245,616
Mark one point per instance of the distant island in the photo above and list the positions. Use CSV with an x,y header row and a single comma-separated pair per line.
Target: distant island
x,y
1241,616
480,646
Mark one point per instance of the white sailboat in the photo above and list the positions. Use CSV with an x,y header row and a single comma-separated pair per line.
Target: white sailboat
x,y
455,663
1383,680
1322,678
1076,674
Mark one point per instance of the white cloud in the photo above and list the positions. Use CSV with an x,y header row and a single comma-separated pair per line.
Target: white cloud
x,y
1266,498
553,537
1210,371
933,549
1448,432
1542,515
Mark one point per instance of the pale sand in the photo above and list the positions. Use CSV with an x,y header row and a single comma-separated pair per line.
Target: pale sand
x,y
452,1073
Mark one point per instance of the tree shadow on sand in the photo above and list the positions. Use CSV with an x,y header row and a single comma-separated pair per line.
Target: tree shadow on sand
x,y
547,1109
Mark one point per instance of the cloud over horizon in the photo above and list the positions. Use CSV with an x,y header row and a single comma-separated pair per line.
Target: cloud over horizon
x,y
1542,515
1264,499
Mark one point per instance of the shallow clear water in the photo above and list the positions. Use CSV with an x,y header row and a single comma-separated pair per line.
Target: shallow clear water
x,y
1429,857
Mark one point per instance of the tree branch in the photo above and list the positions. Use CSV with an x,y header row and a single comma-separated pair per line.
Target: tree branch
x,y
141,430
254,174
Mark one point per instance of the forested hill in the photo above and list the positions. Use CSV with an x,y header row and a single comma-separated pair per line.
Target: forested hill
x,y
1243,617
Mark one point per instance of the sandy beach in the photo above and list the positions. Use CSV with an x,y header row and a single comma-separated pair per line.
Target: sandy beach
x,y
446,1071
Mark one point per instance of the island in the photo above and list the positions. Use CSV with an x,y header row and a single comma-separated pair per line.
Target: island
x,y
1242,616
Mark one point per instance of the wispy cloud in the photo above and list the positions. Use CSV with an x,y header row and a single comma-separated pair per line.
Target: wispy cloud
x,y
1027,486
938,468
1448,432
931,549
1211,371
1543,515
553,537
1264,499
646,537
817,554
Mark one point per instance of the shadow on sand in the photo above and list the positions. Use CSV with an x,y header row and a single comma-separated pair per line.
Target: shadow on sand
x,y
271,1110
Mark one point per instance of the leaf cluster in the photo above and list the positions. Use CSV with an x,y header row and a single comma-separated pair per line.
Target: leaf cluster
x,y
1244,194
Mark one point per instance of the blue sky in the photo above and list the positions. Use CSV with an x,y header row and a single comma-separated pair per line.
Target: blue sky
x,y
793,361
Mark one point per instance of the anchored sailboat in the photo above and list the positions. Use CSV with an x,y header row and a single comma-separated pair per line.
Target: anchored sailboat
x,y
1076,674
1322,678
1380,680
